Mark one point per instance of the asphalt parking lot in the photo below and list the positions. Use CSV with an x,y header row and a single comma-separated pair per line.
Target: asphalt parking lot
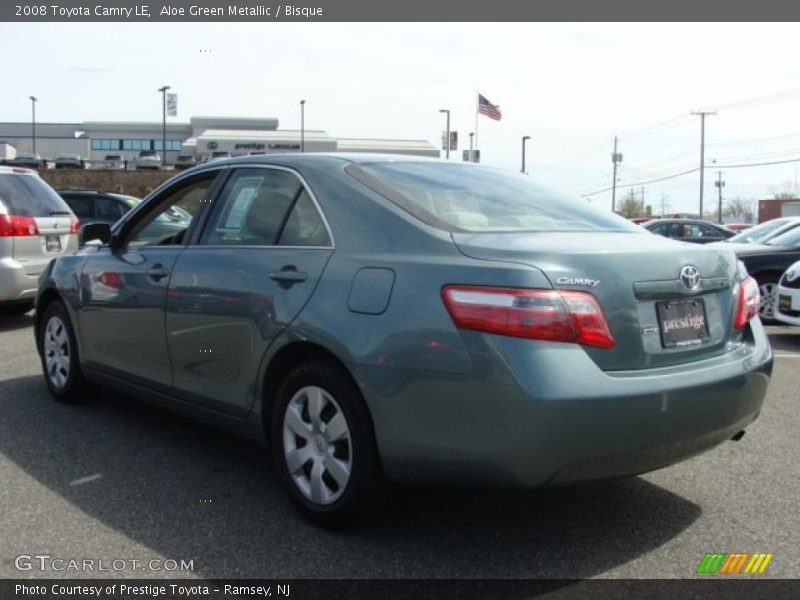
x,y
118,479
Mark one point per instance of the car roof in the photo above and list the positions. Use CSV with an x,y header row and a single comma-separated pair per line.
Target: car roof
x,y
10,170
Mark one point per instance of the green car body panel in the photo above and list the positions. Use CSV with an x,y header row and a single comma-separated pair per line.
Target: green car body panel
x,y
448,405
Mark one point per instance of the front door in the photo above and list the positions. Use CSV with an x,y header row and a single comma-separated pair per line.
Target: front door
x,y
124,286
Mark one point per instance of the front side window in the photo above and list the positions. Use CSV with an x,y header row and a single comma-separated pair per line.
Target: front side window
x,y
168,223
265,207
468,198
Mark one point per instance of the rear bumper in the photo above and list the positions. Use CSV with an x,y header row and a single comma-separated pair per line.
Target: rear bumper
x,y
527,417
15,284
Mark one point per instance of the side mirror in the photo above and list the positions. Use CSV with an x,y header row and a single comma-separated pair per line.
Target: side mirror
x,y
95,232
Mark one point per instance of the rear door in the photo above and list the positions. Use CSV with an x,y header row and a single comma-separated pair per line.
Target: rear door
x,y
50,227
250,273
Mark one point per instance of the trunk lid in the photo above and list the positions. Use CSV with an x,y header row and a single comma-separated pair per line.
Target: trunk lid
x,y
629,274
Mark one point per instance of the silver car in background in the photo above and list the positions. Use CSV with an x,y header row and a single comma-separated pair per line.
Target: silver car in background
x,y
36,225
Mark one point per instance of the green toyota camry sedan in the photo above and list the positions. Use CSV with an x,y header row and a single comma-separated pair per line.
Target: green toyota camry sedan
x,y
383,319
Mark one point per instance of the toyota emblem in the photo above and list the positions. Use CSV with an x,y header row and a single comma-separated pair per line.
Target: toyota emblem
x,y
690,277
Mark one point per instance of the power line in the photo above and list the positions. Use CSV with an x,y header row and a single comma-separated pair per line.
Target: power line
x,y
695,170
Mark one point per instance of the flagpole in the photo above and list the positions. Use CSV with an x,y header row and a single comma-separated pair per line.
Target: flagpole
x,y
472,158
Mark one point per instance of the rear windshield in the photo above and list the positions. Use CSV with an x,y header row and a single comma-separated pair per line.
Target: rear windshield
x,y
790,239
147,153
479,199
758,232
113,157
29,196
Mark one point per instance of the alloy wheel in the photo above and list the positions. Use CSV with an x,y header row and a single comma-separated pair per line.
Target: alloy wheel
x,y
766,308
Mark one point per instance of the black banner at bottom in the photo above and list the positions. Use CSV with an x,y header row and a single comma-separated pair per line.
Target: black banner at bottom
x,y
716,587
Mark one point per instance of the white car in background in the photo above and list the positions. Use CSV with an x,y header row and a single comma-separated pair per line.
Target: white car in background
x,y
148,159
788,305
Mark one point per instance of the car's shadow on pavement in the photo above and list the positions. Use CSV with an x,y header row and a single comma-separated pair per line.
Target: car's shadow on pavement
x,y
12,323
187,491
785,342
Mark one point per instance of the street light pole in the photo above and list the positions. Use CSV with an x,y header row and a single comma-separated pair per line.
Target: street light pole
x,y
163,91
525,138
302,125
447,144
471,146
33,122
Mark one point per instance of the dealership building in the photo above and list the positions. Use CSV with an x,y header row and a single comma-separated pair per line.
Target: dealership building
x,y
201,136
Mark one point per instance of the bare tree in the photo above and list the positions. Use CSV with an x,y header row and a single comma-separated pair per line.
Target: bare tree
x,y
739,209
631,206
784,191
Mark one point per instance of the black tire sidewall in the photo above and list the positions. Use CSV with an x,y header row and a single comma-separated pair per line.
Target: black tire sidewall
x,y
366,479
75,386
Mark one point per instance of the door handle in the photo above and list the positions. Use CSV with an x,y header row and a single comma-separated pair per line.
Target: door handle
x,y
157,272
289,274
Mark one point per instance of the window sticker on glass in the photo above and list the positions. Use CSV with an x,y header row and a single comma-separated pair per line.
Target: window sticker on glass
x,y
244,192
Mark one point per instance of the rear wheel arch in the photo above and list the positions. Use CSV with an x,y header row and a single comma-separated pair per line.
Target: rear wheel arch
x,y
286,359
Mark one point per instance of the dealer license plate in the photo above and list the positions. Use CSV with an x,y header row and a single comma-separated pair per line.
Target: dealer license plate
x,y
682,322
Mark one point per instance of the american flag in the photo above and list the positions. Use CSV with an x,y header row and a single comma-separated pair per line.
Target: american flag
x,y
487,108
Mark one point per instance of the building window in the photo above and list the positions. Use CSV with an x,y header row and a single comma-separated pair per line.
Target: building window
x,y
103,144
172,145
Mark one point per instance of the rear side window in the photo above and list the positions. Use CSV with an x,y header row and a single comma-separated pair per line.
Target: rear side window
x,y
468,198
265,207
29,196
82,206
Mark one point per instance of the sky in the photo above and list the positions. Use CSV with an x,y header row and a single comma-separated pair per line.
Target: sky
x,y
571,87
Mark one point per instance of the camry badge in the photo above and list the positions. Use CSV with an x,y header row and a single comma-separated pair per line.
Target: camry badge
x,y
690,277
585,281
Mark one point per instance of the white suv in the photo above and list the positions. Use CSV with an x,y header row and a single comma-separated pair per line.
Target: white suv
x,y
36,225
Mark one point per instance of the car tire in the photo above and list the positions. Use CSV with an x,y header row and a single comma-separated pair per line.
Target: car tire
x,y
59,356
768,288
15,310
324,446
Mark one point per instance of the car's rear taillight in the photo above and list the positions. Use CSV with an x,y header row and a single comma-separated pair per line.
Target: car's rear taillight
x,y
747,302
555,315
74,224
17,226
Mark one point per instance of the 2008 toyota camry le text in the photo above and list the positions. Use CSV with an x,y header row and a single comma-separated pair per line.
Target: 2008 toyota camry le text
x,y
393,319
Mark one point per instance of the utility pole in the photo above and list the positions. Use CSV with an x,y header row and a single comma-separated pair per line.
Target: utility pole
x,y
642,211
302,125
525,138
163,91
616,158
702,114
447,144
719,185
